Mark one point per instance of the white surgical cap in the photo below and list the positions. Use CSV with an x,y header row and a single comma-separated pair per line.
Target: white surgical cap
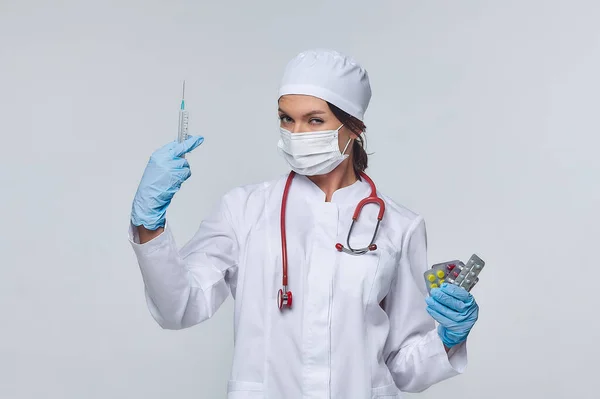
x,y
330,76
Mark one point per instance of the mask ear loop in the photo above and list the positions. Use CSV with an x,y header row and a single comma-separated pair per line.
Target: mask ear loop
x,y
346,147
347,144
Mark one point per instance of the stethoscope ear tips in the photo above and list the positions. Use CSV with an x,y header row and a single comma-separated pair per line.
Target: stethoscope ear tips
x,y
341,248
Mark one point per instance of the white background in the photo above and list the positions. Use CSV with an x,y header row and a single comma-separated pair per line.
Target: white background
x,y
484,119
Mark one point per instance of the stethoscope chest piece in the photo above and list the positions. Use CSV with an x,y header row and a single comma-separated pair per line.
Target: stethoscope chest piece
x,y
284,299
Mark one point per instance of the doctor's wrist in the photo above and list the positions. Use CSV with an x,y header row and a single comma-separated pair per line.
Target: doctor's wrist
x,y
146,235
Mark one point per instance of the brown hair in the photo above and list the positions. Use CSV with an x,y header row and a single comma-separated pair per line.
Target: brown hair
x,y
360,158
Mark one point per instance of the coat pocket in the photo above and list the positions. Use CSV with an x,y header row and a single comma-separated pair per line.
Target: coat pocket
x,y
386,392
244,390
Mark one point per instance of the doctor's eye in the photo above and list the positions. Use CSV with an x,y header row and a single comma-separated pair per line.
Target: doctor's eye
x,y
315,121
285,119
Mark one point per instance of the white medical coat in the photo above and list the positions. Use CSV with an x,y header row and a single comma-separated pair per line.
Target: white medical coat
x,y
358,327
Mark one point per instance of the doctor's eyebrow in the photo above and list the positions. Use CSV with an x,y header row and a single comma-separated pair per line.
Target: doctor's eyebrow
x,y
311,113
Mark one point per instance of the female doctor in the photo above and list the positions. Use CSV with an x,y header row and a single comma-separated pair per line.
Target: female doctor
x,y
326,306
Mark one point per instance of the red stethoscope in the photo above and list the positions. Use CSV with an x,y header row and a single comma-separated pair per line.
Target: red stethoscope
x,y
284,297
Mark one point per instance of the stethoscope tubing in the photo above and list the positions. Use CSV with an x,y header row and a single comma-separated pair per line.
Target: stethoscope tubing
x,y
284,296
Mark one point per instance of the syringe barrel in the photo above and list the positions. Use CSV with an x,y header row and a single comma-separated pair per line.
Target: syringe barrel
x,y
182,131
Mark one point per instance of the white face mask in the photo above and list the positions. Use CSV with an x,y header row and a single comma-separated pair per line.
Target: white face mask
x,y
312,153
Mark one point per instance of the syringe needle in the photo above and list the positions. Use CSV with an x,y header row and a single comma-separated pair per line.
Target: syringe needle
x,y
183,97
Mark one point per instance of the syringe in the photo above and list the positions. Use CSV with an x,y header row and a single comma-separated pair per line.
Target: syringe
x,y
183,119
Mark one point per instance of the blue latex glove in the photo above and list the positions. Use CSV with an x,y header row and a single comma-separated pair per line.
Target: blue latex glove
x,y
456,311
164,174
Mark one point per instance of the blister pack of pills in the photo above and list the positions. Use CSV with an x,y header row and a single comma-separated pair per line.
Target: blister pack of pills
x,y
455,272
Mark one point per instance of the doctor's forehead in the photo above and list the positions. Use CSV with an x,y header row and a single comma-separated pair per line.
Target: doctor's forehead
x,y
301,104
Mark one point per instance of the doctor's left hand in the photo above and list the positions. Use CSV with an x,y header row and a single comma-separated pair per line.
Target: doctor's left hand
x,y
456,311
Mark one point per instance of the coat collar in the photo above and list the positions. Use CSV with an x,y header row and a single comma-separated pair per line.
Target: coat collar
x,y
351,194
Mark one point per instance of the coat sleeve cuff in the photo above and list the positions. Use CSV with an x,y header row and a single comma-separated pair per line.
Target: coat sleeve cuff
x,y
455,361
163,239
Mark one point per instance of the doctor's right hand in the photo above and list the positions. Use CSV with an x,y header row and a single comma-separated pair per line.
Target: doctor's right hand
x,y
164,174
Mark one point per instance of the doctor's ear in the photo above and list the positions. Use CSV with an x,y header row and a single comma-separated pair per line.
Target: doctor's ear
x,y
351,133
354,125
